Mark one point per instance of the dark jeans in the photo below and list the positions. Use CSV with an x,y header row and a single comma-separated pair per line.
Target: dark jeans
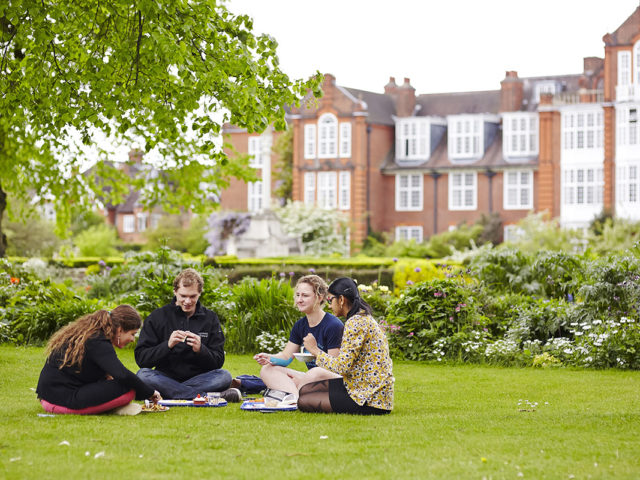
x,y
212,381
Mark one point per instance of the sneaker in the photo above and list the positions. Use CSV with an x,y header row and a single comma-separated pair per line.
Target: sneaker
x,y
231,395
129,409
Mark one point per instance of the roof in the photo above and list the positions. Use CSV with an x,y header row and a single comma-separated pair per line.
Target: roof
x,y
625,33
439,159
443,104
380,107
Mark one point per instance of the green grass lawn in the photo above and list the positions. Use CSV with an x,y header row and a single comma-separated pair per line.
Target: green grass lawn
x,y
449,422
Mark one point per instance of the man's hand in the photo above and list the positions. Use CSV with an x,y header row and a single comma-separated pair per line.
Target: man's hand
x,y
177,336
194,341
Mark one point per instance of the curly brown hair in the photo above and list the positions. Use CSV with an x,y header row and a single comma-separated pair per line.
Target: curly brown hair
x,y
188,277
319,286
70,340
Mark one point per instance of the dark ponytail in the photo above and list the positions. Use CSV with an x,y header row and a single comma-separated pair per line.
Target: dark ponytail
x,y
348,289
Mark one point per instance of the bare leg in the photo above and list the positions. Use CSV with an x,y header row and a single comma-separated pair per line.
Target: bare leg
x,y
314,375
280,378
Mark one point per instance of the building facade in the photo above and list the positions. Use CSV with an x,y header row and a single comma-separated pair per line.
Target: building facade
x,y
415,165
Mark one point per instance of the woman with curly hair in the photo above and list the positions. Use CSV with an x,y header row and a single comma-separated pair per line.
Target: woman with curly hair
x,y
83,374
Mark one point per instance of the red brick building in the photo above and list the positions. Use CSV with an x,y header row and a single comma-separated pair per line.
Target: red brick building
x,y
415,165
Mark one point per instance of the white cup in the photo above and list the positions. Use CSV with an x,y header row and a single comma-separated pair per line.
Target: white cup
x,y
213,398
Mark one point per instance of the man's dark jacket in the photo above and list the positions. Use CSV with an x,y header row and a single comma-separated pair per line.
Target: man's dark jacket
x,y
180,362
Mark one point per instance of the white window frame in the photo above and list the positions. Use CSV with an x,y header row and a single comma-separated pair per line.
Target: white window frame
x,y
328,190
624,67
344,190
627,124
636,63
309,188
409,232
327,136
310,140
255,196
519,184
520,134
466,139
412,139
345,140
142,220
582,130
254,148
463,190
409,192
628,184
582,186
128,223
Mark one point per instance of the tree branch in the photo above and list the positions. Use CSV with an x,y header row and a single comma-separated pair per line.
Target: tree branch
x,y
136,61
138,45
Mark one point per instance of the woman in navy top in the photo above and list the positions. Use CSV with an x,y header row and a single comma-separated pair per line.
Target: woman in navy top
x,y
310,295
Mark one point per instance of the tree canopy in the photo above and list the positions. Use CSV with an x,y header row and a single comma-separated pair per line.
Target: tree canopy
x,y
165,74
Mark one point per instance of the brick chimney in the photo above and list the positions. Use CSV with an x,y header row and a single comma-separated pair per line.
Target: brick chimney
x,y
592,64
391,87
328,89
511,92
404,96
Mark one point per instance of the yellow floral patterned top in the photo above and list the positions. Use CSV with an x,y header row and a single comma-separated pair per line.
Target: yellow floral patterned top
x,y
364,362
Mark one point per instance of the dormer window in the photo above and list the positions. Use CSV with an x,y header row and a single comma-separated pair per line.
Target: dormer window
x,y
412,139
465,137
520,134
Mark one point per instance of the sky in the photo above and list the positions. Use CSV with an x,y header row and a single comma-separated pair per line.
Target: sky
x,y
441,45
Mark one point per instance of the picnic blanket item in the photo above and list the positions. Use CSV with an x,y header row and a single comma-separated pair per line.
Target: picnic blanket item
x,y
189,403
258,405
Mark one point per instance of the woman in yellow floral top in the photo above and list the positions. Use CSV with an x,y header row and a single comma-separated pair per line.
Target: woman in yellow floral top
x,y
360,379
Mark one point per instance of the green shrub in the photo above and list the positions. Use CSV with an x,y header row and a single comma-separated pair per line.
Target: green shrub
x,y
257,306
611,287
505,270
33,237
410,272
612,343
171,233
34,324
431,311
556,273
97,241
36,309
540,320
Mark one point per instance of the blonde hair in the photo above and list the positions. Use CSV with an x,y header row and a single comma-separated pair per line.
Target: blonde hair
x,y
188,277
319,286
70,340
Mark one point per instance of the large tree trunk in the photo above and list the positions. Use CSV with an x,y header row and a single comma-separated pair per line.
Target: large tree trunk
x,y
3,237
